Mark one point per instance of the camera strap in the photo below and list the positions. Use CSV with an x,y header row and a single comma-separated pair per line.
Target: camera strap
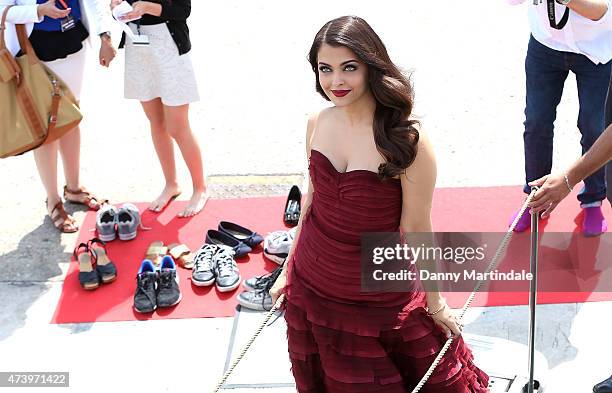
x,y
552,19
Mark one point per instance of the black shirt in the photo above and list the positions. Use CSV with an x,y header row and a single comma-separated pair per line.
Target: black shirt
x,y
174,14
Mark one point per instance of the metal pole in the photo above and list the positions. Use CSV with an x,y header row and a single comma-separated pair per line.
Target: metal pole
x,y
533,290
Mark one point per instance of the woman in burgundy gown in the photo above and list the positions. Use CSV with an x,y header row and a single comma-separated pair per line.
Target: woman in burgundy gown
x,y
371,170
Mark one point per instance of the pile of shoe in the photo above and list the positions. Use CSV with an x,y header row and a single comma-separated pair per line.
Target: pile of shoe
x,y
95,267
277,245
123,221
257,296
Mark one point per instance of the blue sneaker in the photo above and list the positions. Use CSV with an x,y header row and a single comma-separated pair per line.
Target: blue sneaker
x,y
168,292
145,298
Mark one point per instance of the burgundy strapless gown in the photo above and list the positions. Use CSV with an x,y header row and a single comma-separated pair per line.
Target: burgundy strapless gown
x,y
342,340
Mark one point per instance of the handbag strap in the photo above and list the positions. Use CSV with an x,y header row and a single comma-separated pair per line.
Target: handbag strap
x,y
3,27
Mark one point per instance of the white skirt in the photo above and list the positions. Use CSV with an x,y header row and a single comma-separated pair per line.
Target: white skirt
x,y
71,70
157,70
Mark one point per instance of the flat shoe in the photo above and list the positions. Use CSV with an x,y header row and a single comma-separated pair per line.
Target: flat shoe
x,y
220,238
245,235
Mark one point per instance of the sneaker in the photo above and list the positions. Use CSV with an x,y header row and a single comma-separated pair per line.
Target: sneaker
x,y
277,245
203,273
168,292
523,223
106,220
593,223
256,300
128,220
145,298
226,270
261,282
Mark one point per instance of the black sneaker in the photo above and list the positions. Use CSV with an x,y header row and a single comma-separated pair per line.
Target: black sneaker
x,y
168,292
261,282
145,298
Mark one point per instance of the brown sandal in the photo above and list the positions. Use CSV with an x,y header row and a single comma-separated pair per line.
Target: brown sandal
x,y
61,220
181,255
156,252
84,197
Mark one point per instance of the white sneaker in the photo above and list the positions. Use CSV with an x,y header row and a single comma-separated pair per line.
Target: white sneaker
x,y
277,245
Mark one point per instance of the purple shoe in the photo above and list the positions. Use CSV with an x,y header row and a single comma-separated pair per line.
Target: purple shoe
x,y
523,223
594,223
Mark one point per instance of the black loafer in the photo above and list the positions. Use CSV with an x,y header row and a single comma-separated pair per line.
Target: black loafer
x,y
245,235
217,237
293,206
603,386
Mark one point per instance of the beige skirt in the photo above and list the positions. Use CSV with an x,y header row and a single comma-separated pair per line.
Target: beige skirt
x,y
157,70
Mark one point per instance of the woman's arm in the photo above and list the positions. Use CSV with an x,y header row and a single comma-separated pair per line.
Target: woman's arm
x,y
280,283
418,183
169,10
21,14
305,205
591,9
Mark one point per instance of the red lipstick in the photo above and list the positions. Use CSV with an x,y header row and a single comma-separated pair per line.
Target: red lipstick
x,y
340,93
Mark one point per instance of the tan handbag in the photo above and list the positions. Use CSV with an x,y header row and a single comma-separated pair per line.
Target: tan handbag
x,y
36,107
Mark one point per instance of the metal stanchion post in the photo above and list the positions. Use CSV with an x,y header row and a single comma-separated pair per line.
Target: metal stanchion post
x,y
533,385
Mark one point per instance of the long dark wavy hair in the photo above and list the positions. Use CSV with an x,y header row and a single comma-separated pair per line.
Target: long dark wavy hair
x,y
395,134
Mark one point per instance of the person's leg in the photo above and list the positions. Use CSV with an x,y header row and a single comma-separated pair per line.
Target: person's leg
x,y
177,125
70,149
546,71
608,122
164,148
46,162
592,81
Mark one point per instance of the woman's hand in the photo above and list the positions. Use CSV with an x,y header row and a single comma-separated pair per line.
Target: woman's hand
x,y
115,3
445,318
141,8
279,286
49,9
552,191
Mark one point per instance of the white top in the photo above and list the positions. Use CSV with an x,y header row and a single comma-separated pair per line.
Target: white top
x,y
95,16
580,35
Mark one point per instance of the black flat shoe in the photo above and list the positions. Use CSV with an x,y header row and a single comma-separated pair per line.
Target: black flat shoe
x,y
248,237
217,237
293,206
603,386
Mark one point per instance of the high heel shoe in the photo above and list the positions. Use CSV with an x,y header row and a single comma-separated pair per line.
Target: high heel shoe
x,y
88,276
293,206
106,269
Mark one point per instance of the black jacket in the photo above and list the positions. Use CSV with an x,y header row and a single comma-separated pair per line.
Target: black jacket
x,y
174,14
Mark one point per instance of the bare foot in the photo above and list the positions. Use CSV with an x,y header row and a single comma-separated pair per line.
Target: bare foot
x,y
196,204
167,195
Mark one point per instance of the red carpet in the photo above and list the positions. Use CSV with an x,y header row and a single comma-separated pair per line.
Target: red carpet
x,y
455,209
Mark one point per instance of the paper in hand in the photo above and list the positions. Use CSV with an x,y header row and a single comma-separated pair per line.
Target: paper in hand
x,y
123,9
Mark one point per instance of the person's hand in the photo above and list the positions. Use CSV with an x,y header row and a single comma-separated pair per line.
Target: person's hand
x,y
446,319
107,51
140,8
552,191
50,9
279,287
115,3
